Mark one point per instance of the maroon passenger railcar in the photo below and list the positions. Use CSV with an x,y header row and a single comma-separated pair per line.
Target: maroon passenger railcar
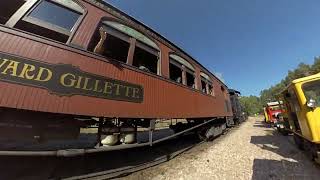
x,y
63,62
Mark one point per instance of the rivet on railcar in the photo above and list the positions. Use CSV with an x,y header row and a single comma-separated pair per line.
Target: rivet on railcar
x,y
82,75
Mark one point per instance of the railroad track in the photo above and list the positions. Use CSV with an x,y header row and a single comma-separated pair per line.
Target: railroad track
x,y
120,172
105,165
123,171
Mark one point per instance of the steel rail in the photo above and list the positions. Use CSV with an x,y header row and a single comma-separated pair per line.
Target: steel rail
x,y
81,152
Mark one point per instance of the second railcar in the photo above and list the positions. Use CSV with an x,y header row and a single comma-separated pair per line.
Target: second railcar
x,y
237,109
71,64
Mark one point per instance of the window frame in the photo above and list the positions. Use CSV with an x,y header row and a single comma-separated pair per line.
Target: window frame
x,y
22,14
177,65
202,79
131,40
208,82
304,90
187,70
184,69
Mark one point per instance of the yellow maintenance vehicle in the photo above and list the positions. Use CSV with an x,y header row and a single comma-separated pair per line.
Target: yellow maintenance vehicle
x,y
302,113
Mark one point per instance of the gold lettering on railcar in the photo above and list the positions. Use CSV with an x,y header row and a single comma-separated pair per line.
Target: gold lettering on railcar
x,y
27,68
136,92
107,88
96,86
66,79
85,86
25,71
70,80
3,62
12,67
128,90
42,78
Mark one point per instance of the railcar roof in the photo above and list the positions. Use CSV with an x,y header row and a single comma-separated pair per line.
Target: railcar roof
x,y
107,5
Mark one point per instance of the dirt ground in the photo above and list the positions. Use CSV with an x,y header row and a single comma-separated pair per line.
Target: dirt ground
x,y
251,151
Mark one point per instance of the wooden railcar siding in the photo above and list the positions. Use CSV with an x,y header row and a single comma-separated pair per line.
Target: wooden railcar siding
x,y
162,98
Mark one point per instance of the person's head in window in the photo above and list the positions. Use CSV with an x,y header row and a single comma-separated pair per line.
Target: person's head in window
x,y
143,67
178,80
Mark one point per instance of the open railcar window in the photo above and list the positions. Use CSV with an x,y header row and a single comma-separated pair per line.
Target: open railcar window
x,y
8,8
175,73
145,60
53,19
190,79
211,89
177,67
206,84
113,40
115,48
203,86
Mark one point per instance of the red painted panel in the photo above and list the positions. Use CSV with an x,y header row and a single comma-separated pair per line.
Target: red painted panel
x,y
162,98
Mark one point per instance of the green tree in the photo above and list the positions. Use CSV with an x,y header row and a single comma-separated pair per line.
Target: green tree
x,y
251,104
315,68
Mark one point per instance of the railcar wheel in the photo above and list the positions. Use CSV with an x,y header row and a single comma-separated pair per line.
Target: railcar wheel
x,y
202,135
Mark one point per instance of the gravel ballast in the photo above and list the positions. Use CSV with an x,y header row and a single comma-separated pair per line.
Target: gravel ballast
x,y
250,151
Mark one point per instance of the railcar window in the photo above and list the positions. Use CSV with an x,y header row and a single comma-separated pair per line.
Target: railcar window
x,y
145,60
190,79
203,86
177,67
116,48
42,31
51,20
55,14
114,40
211,92
206,84
110,43
175,73
8,8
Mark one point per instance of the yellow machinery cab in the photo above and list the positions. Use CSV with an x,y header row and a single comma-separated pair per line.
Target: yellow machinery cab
x,y
302,101
266,117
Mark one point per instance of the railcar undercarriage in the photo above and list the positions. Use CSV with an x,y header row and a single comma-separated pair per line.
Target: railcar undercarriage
x,y
28,133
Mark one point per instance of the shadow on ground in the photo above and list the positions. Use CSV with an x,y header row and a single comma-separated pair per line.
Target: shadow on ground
x,y
261,124
264,169
57,168
294,164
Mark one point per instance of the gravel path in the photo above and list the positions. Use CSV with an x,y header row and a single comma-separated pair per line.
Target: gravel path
x,y
251,151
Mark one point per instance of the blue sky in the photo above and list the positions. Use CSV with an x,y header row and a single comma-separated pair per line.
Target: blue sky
x,y
252,43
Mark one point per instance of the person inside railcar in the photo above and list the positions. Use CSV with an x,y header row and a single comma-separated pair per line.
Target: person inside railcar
x,y
145,59
100,45
111,46
175,72
203,86
113,41
190,78
178,80
143,67
210,89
